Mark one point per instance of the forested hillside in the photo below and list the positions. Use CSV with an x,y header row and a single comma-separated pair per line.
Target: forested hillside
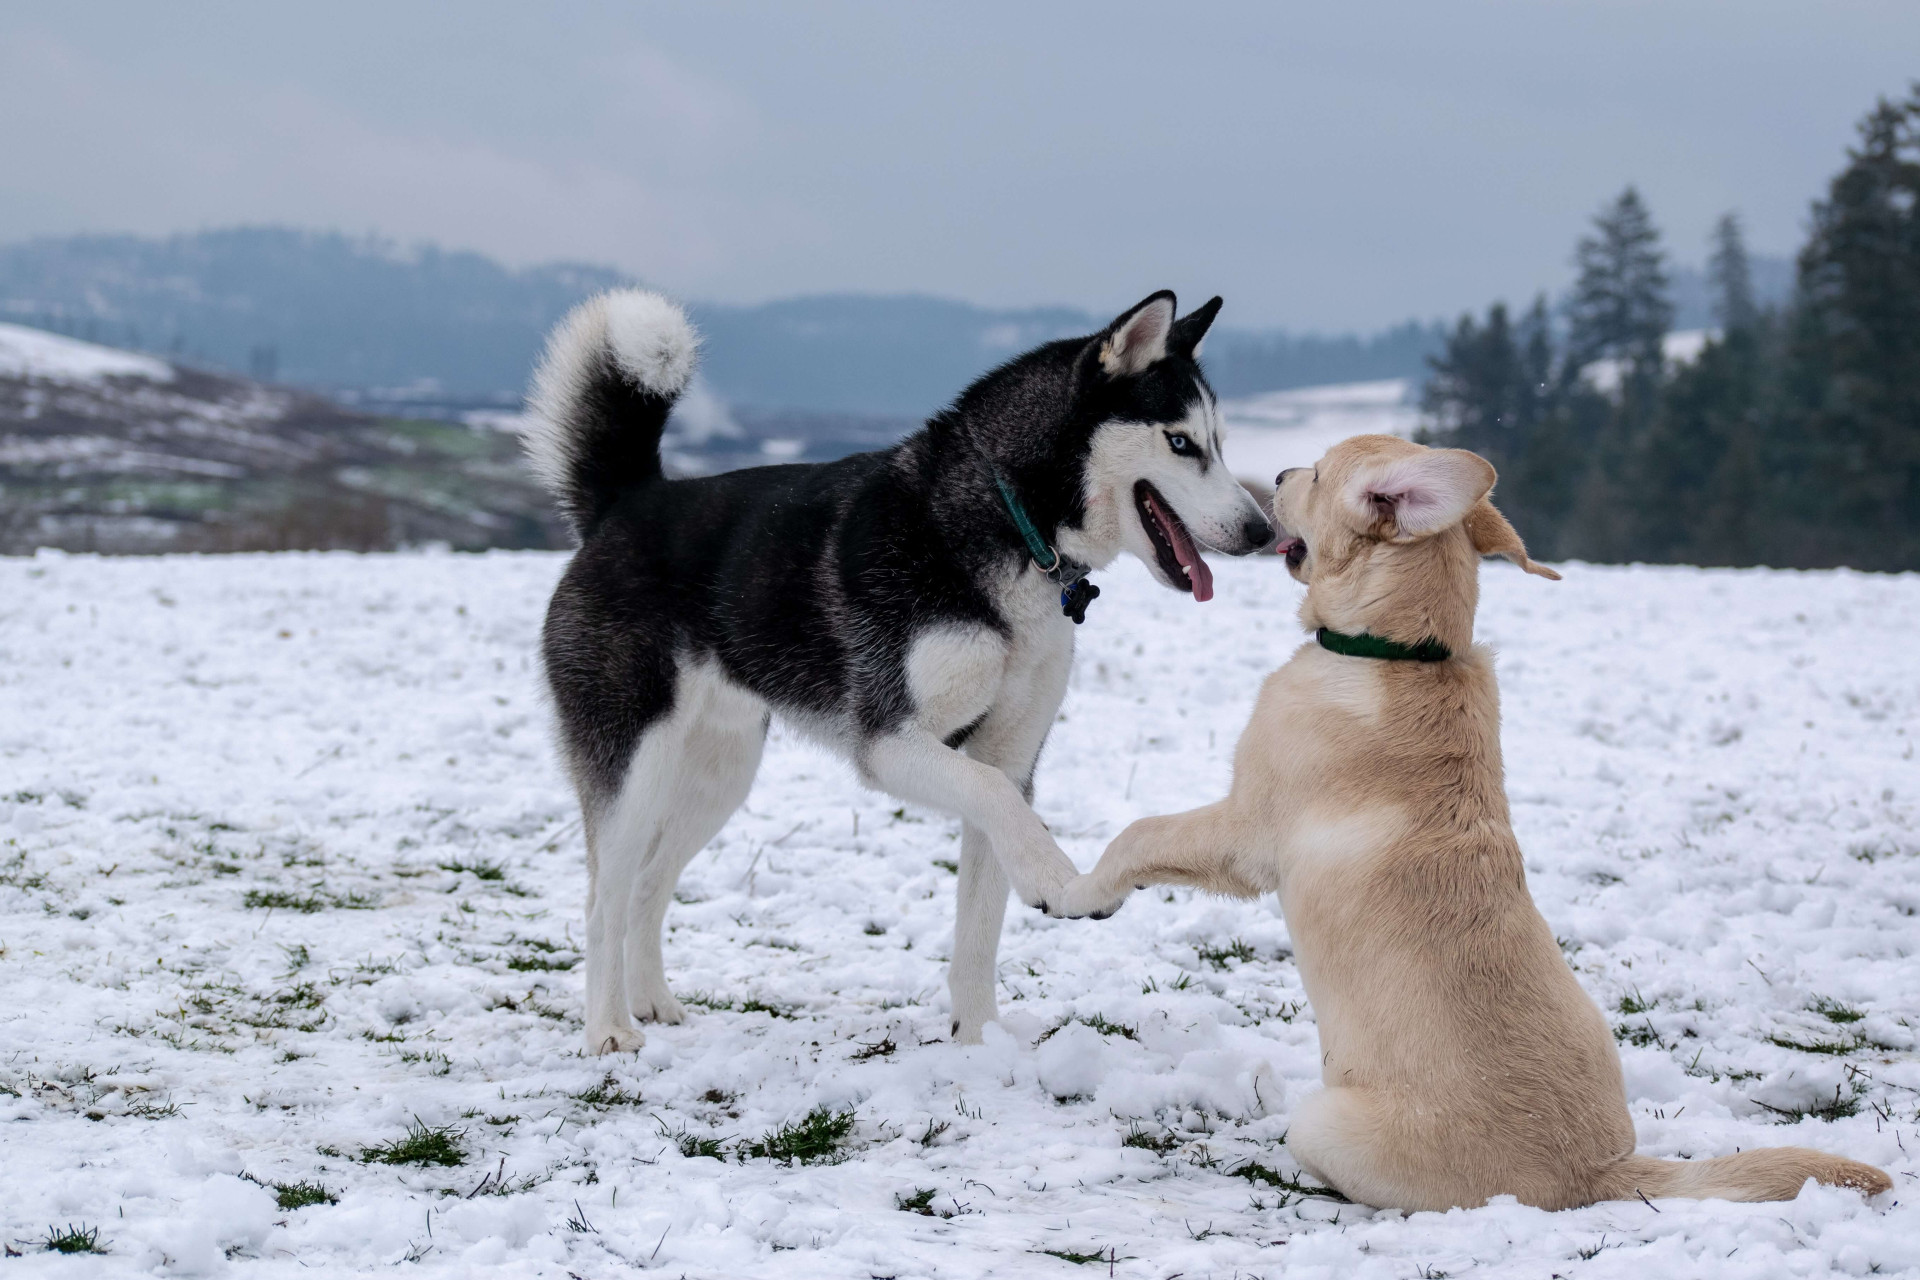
x,y
1793,438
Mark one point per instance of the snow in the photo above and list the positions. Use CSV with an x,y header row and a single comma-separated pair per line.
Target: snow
x,y
1278,429
1713,778
35,353
1683,346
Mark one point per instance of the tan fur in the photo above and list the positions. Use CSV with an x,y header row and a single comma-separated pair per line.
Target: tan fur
x,y
1461,1058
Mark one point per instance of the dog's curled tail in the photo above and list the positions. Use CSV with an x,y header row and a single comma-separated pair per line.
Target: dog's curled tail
x,y
1765,1173
601,395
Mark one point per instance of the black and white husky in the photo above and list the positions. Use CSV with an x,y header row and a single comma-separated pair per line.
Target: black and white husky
x,y
893,605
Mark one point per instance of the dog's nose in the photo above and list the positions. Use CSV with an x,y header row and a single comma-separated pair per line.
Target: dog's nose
x,y
1282,477
1259,535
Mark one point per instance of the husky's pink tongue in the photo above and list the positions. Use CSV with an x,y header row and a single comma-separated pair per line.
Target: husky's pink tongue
x,y
1186,553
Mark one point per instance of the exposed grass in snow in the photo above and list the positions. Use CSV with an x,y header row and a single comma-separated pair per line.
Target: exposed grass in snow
x,y
815,1138
72,1239
271,903
422,1144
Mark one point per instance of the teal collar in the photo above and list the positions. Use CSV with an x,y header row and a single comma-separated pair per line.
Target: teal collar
x,y
1366,646
1076,593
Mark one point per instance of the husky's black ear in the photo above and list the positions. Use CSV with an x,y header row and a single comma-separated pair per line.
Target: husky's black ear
x,y
1138,338
1191,328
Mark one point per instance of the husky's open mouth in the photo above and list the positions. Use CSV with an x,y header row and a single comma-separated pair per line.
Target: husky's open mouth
x,y
1172,544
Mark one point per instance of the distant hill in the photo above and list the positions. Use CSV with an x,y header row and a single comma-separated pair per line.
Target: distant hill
x,y
428,332
388,327
103,450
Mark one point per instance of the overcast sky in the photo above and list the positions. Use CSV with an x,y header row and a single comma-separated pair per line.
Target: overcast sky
x,y
1325,166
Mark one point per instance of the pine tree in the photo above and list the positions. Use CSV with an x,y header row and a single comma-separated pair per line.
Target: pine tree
x,y
1619,308
1853,426
1473,392
1731,276
1619,311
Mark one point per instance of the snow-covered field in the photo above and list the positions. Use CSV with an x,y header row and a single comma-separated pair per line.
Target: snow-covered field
x,y
287,868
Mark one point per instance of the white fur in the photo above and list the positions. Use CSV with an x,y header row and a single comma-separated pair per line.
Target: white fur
x,y
649,338
1209,501
952,674
688,775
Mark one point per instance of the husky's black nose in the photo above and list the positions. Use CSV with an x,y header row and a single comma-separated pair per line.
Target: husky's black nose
x,y
1258,533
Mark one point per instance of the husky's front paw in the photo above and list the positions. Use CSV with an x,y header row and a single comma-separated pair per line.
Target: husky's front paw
x,y
1087,897
613,1040
1039,874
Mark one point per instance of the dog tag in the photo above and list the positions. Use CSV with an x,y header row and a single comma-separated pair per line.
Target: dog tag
x,y
1075,597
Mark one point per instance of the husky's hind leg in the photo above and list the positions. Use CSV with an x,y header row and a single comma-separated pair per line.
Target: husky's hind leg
x,y
714,768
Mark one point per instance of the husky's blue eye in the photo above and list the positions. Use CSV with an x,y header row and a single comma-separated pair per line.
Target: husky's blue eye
x,y
1183,445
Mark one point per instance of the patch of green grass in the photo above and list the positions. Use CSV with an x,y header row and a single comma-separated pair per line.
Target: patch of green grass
x,y
304,995
153,1110
706,1001
479,869
1643,1036
1830,1047
299,1195
1634,1002
1840,1108
815,1138
1081,1259
1235,950
1159,1144
771,1010
314,900
1107,1028
1834,1011
692,1145
1254,1171
72,1239
920,1202
947,865
607,1093
541,964
423,1144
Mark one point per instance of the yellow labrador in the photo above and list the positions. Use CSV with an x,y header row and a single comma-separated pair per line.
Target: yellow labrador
x,y
1461,1058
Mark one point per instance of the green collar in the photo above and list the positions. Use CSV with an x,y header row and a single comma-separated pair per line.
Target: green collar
x,y
1366,646
1076,593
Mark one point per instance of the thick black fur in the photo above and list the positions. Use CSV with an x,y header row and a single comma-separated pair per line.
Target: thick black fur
x,y
808,583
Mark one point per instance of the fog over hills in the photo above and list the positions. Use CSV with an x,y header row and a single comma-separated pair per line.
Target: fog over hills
x,y
344,314
398,329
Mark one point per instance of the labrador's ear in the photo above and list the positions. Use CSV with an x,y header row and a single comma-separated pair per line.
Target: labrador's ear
x,y
1191,329
1415,496
1493,536
1138,337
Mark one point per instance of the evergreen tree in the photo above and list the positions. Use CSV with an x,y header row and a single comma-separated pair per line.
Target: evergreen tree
x,y
1620,309
1731,276
1852,427
1475,387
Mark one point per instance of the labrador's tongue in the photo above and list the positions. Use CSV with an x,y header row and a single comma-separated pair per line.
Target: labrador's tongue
x,y
1188,555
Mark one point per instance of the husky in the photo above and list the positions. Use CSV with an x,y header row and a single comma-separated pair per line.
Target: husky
x,y
912,609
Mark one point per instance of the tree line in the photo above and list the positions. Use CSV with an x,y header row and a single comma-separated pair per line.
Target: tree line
x,y
1791,436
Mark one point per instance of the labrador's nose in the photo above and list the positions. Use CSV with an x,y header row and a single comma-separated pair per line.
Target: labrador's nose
x,y
1282,477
